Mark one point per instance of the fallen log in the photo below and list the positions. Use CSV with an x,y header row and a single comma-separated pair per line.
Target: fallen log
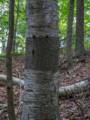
x,y
16,81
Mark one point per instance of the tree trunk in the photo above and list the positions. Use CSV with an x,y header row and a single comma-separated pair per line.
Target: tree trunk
x,y
3,46
15,29
10,94
40,99
69,32
80,50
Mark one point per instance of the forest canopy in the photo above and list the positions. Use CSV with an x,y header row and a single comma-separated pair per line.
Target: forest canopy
x,y
45,56
20,23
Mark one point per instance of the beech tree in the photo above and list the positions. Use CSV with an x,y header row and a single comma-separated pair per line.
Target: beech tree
x,y
40,99
79,47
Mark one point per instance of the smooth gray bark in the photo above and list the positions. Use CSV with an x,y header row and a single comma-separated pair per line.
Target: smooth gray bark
x,y
40,100
42,40
40,97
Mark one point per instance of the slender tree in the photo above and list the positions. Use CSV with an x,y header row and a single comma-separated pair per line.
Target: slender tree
x,y
40,100
80,50
69,32
16,23
3,45
11,112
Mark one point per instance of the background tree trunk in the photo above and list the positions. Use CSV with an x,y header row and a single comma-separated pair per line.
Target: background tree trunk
x,y
10,99
80,50
69,32
15,29
40,99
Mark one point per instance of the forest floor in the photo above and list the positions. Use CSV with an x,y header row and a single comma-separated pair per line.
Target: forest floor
x,y
73,108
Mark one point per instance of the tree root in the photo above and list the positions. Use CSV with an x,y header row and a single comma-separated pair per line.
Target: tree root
x,y
75,88
65,91
16,81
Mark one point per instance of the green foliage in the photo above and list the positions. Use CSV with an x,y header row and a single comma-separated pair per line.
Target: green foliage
x,y
63,10
20,21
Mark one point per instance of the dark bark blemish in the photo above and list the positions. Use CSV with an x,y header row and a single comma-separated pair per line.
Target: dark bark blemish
x,y
46,36
34,36
33,52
